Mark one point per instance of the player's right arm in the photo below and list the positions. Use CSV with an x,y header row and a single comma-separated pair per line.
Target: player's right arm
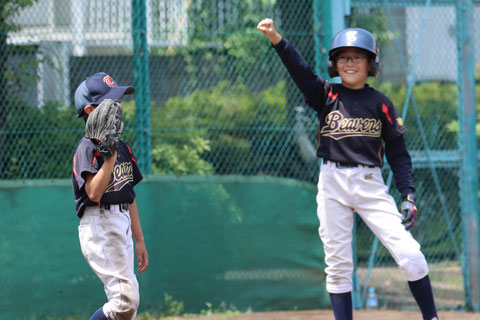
x,y
302,74
96,183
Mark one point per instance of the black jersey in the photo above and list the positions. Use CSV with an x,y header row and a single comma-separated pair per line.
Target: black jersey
x,y
125,175
353,124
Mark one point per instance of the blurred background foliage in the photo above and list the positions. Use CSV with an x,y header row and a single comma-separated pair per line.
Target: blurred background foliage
x,y
186,144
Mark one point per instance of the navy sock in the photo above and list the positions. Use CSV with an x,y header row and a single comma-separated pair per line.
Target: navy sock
x,y
342,305
422,292
99,315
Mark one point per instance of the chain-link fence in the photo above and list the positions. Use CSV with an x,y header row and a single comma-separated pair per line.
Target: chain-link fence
x,y
221,103
420,74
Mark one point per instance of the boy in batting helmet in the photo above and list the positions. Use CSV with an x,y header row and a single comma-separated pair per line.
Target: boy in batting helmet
x,y
105,203
358,126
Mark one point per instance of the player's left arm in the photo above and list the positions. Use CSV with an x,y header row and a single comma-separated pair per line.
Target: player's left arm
x,y
401,165
400,162
140,248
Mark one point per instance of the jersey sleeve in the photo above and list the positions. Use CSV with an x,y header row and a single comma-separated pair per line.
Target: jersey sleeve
x,y
401,165
311,85
85,160
392,123
137,175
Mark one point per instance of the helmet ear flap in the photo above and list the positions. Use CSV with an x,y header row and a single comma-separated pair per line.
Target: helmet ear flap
x,y
375,65
332,72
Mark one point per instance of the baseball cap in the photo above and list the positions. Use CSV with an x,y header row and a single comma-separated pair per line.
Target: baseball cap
x,y
96,88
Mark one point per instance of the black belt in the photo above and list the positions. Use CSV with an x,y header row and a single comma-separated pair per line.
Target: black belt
x,y
122,206
343,165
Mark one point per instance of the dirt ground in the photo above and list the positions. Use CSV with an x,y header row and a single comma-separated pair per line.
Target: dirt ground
x,y
327,315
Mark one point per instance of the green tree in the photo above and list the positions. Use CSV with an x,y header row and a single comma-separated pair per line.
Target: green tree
x,y
8,10
217,129
374,20
453,124
39,143
437,106
225,42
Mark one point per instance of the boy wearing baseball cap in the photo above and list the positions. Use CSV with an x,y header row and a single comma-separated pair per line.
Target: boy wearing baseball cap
x,y
105,203
96,88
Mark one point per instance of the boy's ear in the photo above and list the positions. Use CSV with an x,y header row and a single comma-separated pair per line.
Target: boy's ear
x,y
88,109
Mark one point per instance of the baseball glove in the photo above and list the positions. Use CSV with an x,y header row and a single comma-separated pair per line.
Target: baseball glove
x,y
104,127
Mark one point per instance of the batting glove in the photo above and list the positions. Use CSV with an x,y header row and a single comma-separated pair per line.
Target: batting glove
x,y
409,211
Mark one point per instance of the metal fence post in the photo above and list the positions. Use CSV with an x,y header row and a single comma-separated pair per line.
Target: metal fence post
x,y
329,17
468,149
321,34
142,85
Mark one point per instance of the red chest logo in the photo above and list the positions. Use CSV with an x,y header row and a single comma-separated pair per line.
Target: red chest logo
x,y
332,96
108,80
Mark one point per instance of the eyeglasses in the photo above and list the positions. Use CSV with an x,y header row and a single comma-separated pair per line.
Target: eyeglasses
x,y
355,59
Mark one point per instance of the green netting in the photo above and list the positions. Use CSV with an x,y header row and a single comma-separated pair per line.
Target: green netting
x,y
213,99
250,243
414,44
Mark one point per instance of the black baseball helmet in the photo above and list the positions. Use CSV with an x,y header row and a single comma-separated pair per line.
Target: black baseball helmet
x,y
354,38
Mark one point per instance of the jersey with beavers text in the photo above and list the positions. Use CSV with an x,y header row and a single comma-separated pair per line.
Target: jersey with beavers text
x,y
124,177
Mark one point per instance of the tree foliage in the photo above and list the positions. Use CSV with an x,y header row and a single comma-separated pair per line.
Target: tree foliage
x,y
213,130
8,10
374,20
232,117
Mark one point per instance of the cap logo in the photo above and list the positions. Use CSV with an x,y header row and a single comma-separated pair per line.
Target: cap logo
x,y
351,36
108,80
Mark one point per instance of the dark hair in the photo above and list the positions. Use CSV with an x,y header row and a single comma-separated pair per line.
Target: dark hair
x,y
85,115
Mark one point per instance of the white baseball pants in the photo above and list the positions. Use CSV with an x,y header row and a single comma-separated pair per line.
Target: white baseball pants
x,y
341,192
107,245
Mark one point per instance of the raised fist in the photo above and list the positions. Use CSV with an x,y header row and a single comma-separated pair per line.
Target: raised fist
x,y
267,27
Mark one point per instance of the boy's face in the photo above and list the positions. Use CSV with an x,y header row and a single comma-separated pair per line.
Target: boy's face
x,y
352,66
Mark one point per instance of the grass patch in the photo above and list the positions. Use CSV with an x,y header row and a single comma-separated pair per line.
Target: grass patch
x,y
173,310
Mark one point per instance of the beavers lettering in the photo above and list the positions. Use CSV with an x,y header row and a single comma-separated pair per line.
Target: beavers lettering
x,y
122,174
338,127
